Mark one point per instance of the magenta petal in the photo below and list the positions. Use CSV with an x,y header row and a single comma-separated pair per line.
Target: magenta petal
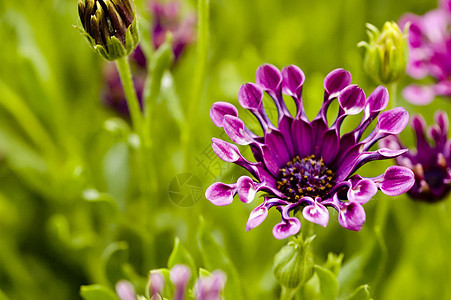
x,y
125,290
352,99
277,147
293,79
393,121
156,283
330,146
316,213
395,181
302,137
441,119
221,194
225,151
180,275
286,228
250,96
268,78
247,189
235,129
419,95
378,100
352,216
337,80
257,216
362,191
221,109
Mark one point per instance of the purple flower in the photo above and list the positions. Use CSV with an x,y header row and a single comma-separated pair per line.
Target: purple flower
x,y
429,53
125,290
210,288
430,162
306,166
166,18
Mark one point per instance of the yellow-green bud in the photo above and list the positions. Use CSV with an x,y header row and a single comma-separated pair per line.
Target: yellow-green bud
x,y
293,264
110,26
386,53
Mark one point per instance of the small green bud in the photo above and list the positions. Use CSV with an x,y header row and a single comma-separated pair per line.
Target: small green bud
x,y
386,53
110,26
293,264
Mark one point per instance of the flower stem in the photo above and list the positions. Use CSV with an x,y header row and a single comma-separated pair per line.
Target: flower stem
x,y
132,101
393,90
287,293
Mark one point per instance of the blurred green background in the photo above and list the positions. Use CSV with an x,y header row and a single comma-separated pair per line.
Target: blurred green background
x,y
71,213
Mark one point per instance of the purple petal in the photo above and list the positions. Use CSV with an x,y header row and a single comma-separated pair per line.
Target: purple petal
x,y
316,213
221,109
225,151
221,194
352,100
293,79
441,119
209,288
250,96
269,78
390,152
125,290
247,189
330,146
393,121
419,125
287,227
302,137
156,284
257,216
337,80
377,101
235,129
180,275
351,216
419,95
362,191
276,146
395,181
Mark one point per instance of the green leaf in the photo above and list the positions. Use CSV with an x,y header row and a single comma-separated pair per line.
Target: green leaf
x,y
361,293
215,257
181,256
116,169
97,292
328,283
365,267
115,257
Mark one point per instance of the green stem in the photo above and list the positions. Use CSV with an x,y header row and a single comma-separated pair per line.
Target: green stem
x,y
287,293
203,8
132,101
393,90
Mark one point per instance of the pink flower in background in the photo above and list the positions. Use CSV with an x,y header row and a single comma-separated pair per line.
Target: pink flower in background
x,y
429,53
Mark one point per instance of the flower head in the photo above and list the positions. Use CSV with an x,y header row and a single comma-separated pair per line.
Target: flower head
x,y
307,165
110,26
386,53
430,162
429,53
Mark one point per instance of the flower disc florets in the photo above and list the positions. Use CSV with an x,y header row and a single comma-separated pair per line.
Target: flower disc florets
x,y
430,161
306,166
308,176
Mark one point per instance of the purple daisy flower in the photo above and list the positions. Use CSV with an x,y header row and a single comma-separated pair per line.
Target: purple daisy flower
x,y
430,162
429,53
305,165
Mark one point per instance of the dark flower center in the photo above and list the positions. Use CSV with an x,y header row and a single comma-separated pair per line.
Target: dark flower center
x,y
307,176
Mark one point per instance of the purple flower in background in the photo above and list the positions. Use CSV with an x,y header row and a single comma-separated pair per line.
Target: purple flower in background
x,y
305,165
166,18
429,53
430,162
210,288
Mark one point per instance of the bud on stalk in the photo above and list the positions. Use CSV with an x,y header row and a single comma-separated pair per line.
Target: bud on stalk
x,y
110,26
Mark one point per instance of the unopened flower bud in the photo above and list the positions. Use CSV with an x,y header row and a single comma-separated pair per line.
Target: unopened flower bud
x,y
386,53
110,26
293,264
